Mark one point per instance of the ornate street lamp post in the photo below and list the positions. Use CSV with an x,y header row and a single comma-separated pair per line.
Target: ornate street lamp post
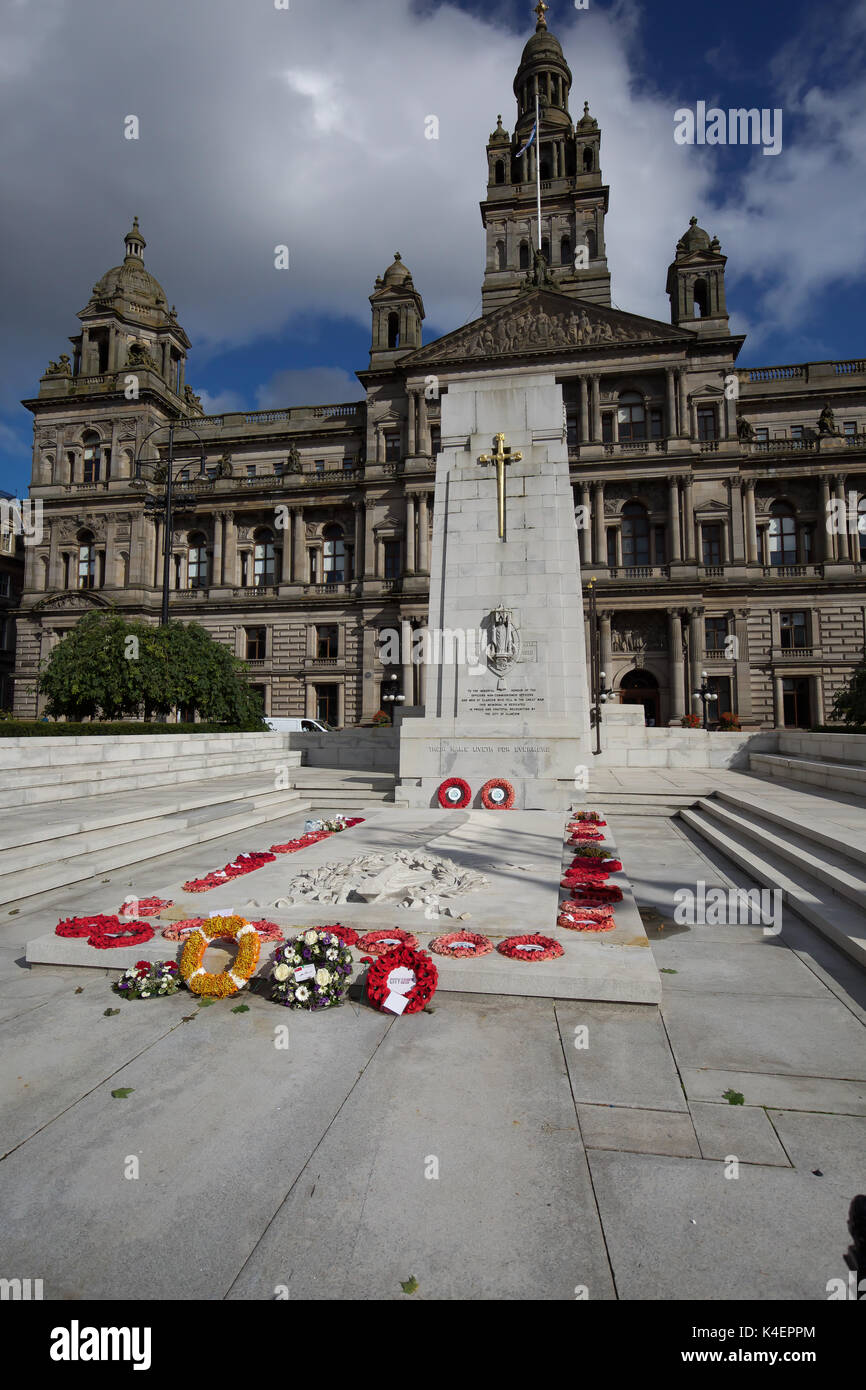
x,y
705,695
598,678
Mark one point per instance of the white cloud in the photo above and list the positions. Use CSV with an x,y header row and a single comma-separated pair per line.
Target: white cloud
x,y
306,127
309,386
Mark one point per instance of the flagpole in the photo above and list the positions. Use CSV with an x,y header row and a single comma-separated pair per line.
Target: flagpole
x,y
538,170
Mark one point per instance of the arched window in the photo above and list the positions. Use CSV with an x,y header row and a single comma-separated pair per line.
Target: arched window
x,y
565,250
587,160
546,162
197,561
499,172
92,469
524,255
782,533
861,526
500,255
334,555
393,331
86,560
702,299
635,535
631,416
264,558
592,244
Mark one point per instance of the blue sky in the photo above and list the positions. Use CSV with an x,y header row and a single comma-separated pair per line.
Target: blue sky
x,y
306,127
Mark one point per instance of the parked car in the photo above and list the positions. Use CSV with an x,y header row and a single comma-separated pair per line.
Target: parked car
x,y
299,726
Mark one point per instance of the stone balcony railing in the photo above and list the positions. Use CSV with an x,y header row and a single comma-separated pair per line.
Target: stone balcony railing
x,y
793,571
639,572
796,653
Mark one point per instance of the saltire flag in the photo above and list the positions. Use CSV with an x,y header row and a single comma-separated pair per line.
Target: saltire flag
x,y
528,143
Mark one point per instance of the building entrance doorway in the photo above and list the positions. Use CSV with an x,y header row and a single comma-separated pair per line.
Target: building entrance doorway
x,y
327,704
797,703
641,688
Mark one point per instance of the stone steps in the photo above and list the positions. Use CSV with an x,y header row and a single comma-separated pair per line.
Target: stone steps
x,y
40,785
93,851
828,774
825,887
328,789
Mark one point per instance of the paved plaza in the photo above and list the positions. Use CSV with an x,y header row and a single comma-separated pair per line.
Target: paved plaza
x,y
479,1148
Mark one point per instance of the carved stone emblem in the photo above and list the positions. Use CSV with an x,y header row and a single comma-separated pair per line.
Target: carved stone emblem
x,y
503,649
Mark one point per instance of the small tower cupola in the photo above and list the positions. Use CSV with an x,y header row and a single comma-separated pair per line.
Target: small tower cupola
x,y
398,312
696,283
134,242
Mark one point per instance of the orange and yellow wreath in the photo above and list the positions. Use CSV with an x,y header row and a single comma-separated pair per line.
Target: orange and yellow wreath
x,y
201,981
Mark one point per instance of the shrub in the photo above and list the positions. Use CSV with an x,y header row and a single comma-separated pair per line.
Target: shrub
x,y
380,717
691,721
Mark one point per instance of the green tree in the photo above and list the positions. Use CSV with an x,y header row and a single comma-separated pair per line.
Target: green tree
x,y
109,667
850,703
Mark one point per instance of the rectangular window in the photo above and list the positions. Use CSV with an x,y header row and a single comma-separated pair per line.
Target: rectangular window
x,y
348,463
256,639
656,424
607,428
92,466
720,686
712,543
210,473
796,431
611,547
279,470
572,438
707,422
762,435
320,465
314,566
327,703
251,470
715,635
5,585
326,642
793,630
392,559
183,475
392,446
435,439
850,427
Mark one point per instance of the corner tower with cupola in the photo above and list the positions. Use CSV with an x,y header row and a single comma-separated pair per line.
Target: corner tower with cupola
x,y
574,200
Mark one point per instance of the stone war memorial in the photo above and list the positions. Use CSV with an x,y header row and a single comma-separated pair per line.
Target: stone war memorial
x,y
505,564
432,824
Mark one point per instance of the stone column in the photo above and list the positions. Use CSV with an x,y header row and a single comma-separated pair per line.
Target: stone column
x,y
737,542
596,410
410,533
55,576
217,561
369,545
406,662
585,533
818,686
310,701
828,547
423,424
358,559
684,404
842,547
689,519
299,557
675,642
671,421
606,645
413,399
286,555
230,552
585,433
696,647
598,520
380,444
751,529
742,668
778,703
674,519
424,534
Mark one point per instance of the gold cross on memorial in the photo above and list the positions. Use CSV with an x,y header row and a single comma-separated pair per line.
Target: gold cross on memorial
x,y
501,456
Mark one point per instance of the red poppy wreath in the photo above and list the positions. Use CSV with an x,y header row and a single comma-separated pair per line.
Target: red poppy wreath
x,y
579,917
594,894
461,945
347,935
497,795
379,943
104,932
534,947
403,974
454,793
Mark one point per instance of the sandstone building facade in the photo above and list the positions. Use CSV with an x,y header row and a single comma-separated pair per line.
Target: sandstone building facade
x,y
703,489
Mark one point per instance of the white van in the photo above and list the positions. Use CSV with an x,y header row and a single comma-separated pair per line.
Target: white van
x,y
299,726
